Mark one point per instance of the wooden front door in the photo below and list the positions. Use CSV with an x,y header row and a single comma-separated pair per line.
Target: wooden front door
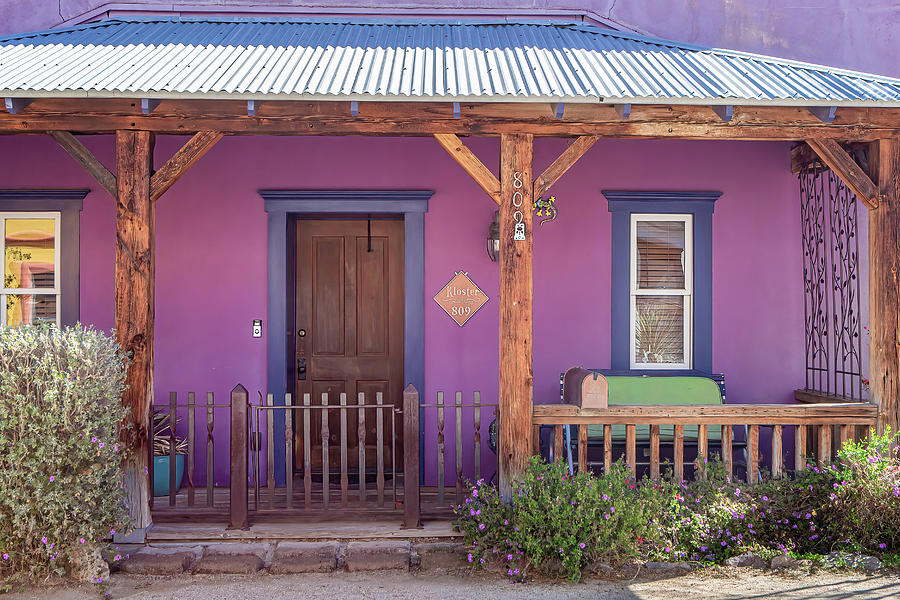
x,y
349,330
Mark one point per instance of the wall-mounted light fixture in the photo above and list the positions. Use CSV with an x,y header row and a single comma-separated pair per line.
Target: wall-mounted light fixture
x,y
493,238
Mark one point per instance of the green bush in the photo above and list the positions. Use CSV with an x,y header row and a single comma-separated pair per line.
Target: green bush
x,y
866,495
705,521
60,411
558,522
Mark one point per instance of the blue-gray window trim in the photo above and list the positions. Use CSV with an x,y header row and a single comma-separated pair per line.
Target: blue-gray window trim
x,y
68,203
622,204
282,207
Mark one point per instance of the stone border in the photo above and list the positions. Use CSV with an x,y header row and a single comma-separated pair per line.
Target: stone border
x,y
282,558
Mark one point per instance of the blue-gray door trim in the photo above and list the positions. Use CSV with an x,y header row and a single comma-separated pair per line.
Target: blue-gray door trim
x,y
282,207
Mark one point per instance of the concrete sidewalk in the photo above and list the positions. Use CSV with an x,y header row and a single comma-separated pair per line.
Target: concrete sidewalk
x,y
730,584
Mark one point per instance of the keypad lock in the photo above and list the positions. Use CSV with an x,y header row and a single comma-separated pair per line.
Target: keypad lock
x,y
301,369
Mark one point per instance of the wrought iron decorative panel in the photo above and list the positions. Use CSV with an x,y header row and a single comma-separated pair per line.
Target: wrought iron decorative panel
x,y
828,212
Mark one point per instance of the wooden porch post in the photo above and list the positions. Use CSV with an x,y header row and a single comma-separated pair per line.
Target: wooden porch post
x,y
516,290
135,272
884,283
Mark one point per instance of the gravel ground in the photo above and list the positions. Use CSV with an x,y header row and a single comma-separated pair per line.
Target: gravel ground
x,y
402,586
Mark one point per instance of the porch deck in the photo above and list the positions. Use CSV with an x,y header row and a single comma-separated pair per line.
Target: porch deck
x,y
273,508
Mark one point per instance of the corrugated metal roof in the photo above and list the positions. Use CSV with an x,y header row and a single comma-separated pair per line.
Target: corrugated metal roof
x,y
393,60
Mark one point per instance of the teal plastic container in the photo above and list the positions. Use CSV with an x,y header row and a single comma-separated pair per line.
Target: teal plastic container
x,y
161,474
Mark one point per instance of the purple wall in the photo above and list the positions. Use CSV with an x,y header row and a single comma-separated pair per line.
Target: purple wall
x,y
854,34
211,244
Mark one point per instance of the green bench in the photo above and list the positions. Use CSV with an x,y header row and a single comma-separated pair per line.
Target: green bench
x,y
691,388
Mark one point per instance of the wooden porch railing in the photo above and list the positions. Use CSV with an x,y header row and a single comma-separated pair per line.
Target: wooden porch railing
x,y
246,439
852,419
481,414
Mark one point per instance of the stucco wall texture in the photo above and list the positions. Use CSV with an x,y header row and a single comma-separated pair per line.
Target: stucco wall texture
x,y
211,254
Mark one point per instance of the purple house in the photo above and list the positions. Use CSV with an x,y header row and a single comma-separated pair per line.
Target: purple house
x,y
308,230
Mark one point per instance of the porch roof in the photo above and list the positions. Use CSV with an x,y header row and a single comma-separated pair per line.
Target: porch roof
x,y
367,60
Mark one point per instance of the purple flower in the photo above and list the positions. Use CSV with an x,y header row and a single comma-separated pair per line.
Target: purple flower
x,y
475,493
52,479
481,526
112,532
81,540
116,448
5,556
737,491
44,540
93,440
118,557
472,512
470,558
101,445
882,545
582,545
702,548
509,557
505,522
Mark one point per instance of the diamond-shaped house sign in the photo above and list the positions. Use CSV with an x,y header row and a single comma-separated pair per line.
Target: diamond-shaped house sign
x,y
461,298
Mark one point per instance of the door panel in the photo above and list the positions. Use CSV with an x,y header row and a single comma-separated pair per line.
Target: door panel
x,y
350,304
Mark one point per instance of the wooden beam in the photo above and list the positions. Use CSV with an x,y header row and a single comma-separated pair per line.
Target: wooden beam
x,y
181,161
884,284
516,309
846,168
563,163
135,272
288,117
86,158
472,165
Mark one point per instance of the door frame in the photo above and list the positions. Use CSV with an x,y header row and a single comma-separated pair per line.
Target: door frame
x,y
284,207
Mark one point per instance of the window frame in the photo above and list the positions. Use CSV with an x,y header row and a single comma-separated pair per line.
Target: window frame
x,y
68,204
686,292
622,204
57,251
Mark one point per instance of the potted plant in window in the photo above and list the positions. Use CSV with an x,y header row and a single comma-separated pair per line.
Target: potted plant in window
x,y
162,451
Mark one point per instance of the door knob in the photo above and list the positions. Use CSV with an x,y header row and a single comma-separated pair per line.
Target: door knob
x,y
301,333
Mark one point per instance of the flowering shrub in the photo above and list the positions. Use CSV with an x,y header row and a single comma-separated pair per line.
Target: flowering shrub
x,y
60,410
866,495
705,520
557,521
561,523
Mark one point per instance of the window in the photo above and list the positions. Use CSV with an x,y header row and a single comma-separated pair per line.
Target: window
x,y
39,258
29,244
661,281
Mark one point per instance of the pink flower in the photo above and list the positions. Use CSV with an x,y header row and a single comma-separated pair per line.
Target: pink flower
x,y
81,540
582,545
44,540
52,479
101,445
93,440
118,557
116,448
